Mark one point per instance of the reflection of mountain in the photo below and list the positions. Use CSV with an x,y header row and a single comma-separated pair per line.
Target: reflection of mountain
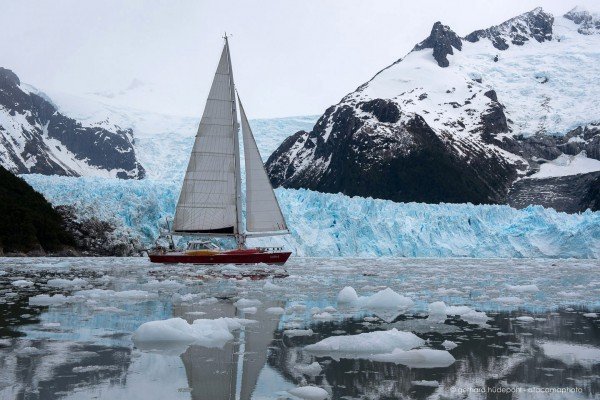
x,y
233,371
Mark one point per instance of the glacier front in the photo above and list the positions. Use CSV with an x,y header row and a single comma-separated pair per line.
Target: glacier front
x,y
338,225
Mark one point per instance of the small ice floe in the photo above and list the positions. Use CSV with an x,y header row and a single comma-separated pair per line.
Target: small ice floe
x,y
572,354
525,318
591,315
195,313
310,370
106,294
51,325
523,288
184,298
469,315
330,309
417,358
66,283
165,285
347,295
425,383
386,299
275,310
249,310
29,351
203,332
509,300
367,343
95,368
448,292
324,316
54,300
22,283
298,332
270,286
449,344
309,393
437,312
245,303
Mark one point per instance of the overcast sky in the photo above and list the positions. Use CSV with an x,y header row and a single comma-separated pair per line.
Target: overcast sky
x,y
290,57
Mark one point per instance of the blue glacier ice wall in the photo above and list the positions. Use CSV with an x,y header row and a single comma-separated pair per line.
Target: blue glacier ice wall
x,y
338,225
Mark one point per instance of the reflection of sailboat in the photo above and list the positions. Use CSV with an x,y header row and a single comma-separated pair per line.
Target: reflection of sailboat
x,y
210,203
230,372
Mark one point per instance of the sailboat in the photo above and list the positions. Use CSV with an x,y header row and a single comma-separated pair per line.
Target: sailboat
x,y
210,202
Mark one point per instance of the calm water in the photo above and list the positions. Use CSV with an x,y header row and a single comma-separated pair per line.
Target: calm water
x,y
81,345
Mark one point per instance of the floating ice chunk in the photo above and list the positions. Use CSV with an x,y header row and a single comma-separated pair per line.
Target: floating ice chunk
x,y
244,303
572,354
437,312
298,332
324,316
66,283
590,315
387,299
204,332
275,310
449,344
270,286
105,294
51,325
469,315
249,310
347,295
30,351
418,358
22,283
425,383
57,299
368,343
309,393
523,288
447,292
167,284
95,368
330,309
311,370
525,318
315,310
195,313
509,300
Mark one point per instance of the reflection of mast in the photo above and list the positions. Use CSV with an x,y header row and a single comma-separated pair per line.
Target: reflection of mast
x,y
231,372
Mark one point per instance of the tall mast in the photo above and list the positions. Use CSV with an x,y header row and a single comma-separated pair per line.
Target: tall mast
x,y
240,237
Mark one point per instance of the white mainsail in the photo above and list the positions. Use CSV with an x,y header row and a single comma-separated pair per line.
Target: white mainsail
x,y
262,209
208,202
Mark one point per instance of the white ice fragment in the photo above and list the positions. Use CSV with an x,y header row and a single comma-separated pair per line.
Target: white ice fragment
x,y
590,315
105,294
311,370
270,286
249,310
449,344
309,393
387,299
417,358
437,312
468,314
244,303
298,332
425,383
523,288
57,299
330,309
30,351
204,332
22,283
95,368
572,354
66,283
167,284
347,295
324,316
275,310
509,300
369,342
525,318
51,325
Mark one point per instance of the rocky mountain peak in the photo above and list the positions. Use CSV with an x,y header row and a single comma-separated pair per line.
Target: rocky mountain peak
x,y
7,77
589,22
442,39
535,24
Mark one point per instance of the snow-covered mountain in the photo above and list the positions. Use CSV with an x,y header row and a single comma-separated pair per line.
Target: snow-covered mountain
x,y
464,119
36,137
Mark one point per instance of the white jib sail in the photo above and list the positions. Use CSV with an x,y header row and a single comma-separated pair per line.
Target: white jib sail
x,y
262,209
207,203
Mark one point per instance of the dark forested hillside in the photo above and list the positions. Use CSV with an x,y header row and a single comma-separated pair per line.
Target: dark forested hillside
x,y
28,223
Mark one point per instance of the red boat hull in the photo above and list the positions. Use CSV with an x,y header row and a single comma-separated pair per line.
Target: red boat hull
x,y
246,256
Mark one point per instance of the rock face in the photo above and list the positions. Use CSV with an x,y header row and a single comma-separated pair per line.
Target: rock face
x,y
36,138
450,123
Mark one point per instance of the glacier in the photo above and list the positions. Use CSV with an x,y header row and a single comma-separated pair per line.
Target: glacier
x,y
337,225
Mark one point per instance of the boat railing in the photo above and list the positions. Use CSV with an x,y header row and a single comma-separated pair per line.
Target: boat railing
x,y
270,249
